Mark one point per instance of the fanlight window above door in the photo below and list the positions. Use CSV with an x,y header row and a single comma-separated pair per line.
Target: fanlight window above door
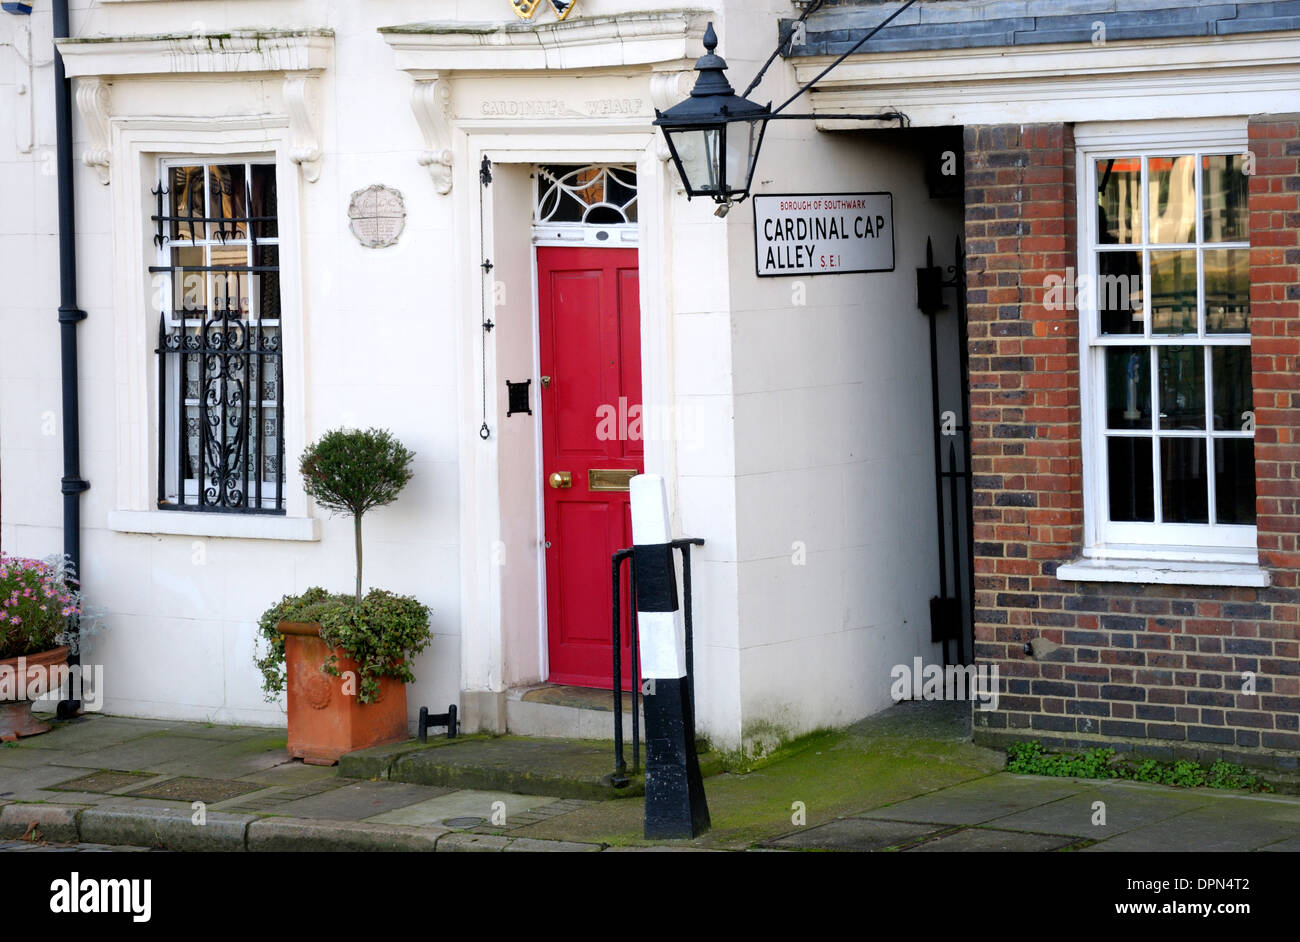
x,y
572,194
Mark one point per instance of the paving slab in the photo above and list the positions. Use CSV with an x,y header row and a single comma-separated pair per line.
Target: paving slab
x,y
854,834
234,760
15,755
1125,809
358,800
979,801
293,772
68,798
190,788
150,752
219,732
105,781
991,839
1225,824
23,784
95,731
467,803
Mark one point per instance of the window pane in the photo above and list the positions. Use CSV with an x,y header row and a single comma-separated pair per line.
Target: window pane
x,y
1234,481
1119,201
1223,187
226,201
1182,387
1173,292
1172,199
1128,387
1227,291
189,288
1118,292
1182,480
1131,494
185,198
1233,396
264,200
268,282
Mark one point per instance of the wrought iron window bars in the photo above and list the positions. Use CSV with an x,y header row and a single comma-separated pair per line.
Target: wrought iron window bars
x,y
220,345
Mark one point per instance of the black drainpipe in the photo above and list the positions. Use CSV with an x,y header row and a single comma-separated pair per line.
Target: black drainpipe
x,y
69,316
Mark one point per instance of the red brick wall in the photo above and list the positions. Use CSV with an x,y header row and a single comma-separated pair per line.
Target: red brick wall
x,y
1155,668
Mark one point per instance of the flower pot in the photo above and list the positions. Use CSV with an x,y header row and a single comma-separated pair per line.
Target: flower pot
x,y
325,721
28,673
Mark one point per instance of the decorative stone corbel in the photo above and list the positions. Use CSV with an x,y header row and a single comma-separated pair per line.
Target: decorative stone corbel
x,y
93,105
300,92
431,102
668,88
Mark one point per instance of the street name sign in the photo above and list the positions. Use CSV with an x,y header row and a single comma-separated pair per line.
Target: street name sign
x,y
823,234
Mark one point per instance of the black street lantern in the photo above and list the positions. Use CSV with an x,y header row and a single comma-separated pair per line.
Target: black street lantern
x,y
714,135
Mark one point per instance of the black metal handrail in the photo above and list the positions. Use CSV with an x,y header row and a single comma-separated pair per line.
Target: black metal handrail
x,y
619,778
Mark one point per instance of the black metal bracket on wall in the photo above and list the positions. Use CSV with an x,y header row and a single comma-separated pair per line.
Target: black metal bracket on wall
x,y
428,720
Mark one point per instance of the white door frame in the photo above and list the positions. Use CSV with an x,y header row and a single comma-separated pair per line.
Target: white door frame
x,y
483,644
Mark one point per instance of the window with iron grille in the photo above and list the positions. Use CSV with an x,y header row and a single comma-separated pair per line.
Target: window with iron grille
x,y
219,348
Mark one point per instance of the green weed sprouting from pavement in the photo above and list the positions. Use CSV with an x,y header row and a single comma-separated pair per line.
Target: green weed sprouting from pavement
x,y
1030,758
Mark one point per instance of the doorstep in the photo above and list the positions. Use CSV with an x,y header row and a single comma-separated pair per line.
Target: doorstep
x,y
558,710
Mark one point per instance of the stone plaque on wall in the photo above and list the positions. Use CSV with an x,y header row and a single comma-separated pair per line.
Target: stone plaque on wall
x,y
376,216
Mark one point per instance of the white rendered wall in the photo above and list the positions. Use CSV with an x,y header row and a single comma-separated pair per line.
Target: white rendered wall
x,y
808,424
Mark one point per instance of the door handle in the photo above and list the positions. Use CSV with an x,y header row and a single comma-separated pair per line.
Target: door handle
x,y
546,382
561,479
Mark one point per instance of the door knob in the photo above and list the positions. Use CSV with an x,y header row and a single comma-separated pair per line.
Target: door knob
x,y
546,382
561,479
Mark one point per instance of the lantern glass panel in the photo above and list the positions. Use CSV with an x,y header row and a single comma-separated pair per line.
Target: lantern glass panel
x,y
697,153
743,138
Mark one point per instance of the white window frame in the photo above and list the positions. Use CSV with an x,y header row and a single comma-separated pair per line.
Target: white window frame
x,y
1193,544
138,145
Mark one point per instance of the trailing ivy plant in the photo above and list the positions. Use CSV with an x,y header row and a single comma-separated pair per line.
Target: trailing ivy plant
x,y
353,471
382,634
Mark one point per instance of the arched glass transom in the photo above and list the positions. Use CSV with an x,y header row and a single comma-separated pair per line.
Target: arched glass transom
x,y
572,194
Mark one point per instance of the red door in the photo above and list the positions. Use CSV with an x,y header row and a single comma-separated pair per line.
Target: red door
x,y
591,444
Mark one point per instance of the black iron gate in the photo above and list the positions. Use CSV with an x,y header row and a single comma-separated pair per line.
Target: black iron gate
x,y
952,610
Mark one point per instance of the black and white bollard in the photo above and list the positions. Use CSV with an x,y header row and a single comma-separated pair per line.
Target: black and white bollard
x,y
675,805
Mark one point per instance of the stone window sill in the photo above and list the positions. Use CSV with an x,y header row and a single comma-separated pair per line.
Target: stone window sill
x,y
234,526
1164,572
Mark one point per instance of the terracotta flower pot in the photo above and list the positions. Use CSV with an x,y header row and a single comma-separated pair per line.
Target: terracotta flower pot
x,y
324,721
15,710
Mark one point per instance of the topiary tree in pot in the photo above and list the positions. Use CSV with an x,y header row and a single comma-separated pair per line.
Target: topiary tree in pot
x,y
353,472
344,659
